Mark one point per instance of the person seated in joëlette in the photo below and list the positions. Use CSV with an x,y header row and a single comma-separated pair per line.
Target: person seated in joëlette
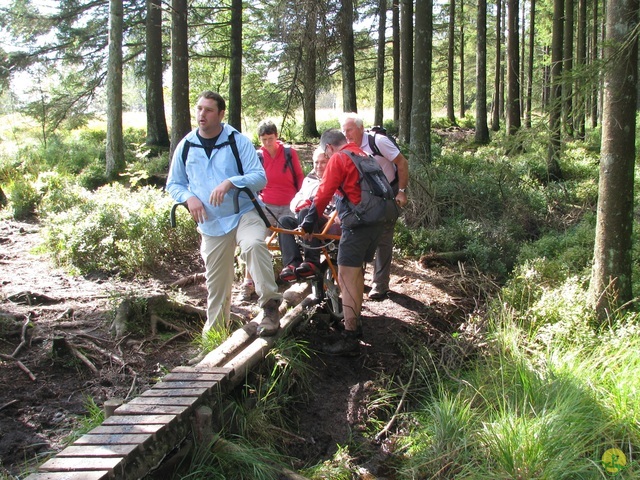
x,y
303,264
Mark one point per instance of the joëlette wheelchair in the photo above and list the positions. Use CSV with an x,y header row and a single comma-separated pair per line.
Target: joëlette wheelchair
x,y
325,287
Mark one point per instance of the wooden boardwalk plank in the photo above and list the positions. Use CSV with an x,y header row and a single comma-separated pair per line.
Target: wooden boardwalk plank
x,y
158,409
163,400
105,451
126,429
115,439
193,377
204,369
139,420
175,392
60,464
97,475
178,384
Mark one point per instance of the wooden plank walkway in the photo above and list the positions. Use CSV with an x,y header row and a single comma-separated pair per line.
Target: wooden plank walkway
x,y
141,432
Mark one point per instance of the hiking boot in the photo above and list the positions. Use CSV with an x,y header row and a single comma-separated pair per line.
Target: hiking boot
x,y
288,274
346,344
307,269
247,290
270,319
358,331
378,293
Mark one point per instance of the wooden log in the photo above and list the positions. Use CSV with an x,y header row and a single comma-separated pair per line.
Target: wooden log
x,y
110,406
203,425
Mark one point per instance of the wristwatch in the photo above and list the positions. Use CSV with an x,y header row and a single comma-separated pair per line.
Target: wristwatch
x,y
402,190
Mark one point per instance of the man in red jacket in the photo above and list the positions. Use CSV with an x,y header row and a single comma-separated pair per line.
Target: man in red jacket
x,y
357,245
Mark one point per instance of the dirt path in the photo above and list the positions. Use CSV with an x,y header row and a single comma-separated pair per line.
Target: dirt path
x,y
36,415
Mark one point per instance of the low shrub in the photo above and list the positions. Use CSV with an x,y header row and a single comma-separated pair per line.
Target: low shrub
x,y
118,231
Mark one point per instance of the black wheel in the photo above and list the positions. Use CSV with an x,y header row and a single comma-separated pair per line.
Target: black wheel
x,y
330,293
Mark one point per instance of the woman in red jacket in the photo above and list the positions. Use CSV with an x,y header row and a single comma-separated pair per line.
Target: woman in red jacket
x,y
284,179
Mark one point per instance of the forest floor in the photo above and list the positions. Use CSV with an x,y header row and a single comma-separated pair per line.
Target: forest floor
x,y
50,320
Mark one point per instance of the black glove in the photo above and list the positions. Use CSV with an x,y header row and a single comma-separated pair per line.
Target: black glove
x,y
307,224
310,220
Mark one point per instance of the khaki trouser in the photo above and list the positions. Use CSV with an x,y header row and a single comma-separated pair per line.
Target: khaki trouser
x,y
218,254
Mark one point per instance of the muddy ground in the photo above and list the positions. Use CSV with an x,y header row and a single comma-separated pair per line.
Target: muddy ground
x,y
45,391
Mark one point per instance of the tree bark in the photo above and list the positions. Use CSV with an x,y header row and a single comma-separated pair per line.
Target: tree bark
x,y
234,106
180,108
567,69
406,69
495,107
532,24
115,141
421,106
513,69
451,51
308,72
611,286
594,58
395,20
378,116
462,64
482,129
157,132
555,93
349,102
581,61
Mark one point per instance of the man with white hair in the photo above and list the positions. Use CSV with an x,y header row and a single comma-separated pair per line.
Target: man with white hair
x,y
396,168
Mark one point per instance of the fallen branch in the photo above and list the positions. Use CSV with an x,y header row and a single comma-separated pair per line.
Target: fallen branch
x,y
23,337
8,404
188,280
177,335
26,370
393,418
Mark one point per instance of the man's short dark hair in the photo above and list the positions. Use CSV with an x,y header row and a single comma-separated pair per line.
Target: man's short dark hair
x,y
267,128
334,137
215,96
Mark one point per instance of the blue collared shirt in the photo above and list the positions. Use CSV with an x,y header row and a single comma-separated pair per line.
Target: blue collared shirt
x,y
200,175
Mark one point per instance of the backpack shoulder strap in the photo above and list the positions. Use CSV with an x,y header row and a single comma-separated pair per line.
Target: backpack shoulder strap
x,y
372,144
288,162
236,154
356,161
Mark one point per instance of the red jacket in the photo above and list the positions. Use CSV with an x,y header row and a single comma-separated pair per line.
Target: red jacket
x,y
280,187
340,172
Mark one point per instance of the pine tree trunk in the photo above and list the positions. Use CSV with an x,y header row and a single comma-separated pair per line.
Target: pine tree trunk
x,y
482,129
157,132
612,264
234,107
115,141
180,108
378,117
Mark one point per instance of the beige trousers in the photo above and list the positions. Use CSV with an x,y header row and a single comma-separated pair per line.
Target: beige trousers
x,y
218,254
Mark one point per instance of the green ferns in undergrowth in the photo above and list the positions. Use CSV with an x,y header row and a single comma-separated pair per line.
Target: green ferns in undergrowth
x,y
117,230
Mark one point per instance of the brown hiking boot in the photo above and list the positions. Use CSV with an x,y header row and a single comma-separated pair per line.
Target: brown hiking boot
x,y
346,344
270,319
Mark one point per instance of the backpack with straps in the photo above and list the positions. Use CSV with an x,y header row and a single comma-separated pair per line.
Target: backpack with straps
x,y
231,142
371,134
377,200
288,163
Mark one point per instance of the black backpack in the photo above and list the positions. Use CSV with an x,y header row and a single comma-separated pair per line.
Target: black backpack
x,y
288,163
377,202
371,134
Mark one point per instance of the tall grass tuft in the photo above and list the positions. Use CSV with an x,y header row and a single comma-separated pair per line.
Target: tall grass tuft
x,y
235,460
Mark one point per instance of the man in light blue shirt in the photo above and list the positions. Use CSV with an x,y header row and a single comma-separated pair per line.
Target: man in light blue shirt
x,y
206,180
